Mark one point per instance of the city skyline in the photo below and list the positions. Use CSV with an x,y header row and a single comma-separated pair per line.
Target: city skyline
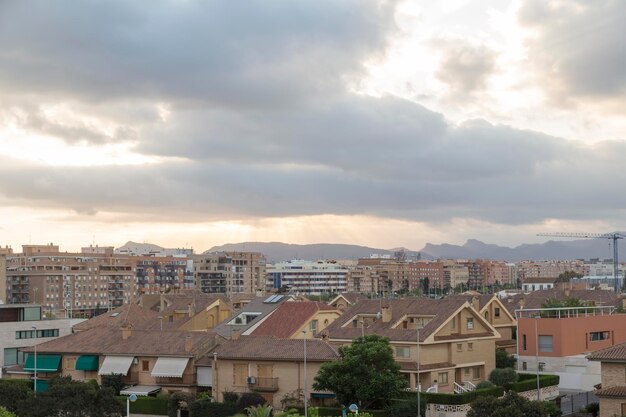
x,y
379,123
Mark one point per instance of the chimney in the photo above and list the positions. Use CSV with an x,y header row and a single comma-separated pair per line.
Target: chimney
x,y
161,302
475,303
190,309
386,314
127,330
235,335
188,344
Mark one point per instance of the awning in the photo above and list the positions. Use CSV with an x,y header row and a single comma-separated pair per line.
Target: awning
x,y
205,376
116,365
87,363
140,390
170,367
322,395
45,363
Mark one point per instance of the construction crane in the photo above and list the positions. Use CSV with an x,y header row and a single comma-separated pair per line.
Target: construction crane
x,y
613,236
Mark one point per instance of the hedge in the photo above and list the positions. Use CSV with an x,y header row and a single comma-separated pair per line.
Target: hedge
x,y
336,411
455,399
147,405
206,408
529,382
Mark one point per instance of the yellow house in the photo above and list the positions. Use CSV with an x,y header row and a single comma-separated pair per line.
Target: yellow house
x,y
273,367
296,320
456,345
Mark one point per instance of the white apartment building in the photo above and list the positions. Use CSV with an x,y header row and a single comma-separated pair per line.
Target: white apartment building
x,y
308,277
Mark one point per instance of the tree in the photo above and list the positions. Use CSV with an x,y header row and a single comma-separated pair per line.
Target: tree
x,y
80,399
366,372
503,359
567,276
6,413
503,377
425,285
113,381
511,405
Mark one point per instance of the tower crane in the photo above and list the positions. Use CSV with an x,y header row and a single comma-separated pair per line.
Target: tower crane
x,y
613,236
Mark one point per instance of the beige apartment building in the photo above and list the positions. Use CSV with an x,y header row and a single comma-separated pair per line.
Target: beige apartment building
x,y
230,272
456,343
273,367
454,274
69,284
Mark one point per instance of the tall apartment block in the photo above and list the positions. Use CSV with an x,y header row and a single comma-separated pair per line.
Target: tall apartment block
x,y
69,284
229,272
159,274
308,277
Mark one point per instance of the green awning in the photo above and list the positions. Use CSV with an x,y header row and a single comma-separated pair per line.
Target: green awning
x,y
87,363
42,384
45,363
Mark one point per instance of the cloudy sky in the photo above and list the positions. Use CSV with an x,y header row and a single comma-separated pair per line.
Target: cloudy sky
x,y
376,122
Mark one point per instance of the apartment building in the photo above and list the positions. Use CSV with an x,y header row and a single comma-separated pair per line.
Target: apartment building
x,y
273,367
388,274
455,344
544,269
308,277
22,325
612,393
69,284
363,279
149,360
454,274
157,274
558,340
429,271
230,272
494,272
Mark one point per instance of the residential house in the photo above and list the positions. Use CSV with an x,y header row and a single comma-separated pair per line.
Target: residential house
x,y
612,393
297,320
346,299
454,342
245,320
273,367
149,360
538,283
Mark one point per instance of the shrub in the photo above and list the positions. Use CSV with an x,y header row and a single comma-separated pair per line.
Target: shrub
x,y
503,377
230,397
593,408
178,399
262,410
249,399
113,381
6,413
503,359
484,384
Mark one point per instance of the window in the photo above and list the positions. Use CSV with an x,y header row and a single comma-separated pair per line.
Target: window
x,y
524,342
240,374
595,336
443,378
496,312
403,352
524,366
470,346
454,322
476,372
145,366
470,323
545,343
459,347
313,326
13,356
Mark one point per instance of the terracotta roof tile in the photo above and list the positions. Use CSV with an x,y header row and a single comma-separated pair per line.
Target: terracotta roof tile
x,y
133,314
277,349
613,353
619,391
289,317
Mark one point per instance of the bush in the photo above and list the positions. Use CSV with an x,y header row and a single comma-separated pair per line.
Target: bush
x,y
206,408
503,359
176,400
593,408
528,382
249,399
147,405
6,413
230,397
113,381
484,384
503,377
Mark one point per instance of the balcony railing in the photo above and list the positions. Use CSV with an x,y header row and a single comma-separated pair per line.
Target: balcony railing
x,y
187,379
264,384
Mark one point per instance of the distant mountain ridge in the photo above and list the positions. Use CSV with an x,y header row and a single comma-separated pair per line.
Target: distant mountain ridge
x,y
472,249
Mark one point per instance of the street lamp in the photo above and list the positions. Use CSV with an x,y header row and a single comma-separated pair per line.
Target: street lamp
x,y
417,382
362,323
129,399
35,379
537,357
306,410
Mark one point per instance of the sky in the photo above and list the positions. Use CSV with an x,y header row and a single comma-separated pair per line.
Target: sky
x,y
375,122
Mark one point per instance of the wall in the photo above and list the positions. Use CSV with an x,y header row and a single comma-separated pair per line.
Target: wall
x,y
613,374
611,407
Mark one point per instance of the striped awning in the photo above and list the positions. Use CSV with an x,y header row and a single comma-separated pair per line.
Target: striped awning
x,y
169,367
116,365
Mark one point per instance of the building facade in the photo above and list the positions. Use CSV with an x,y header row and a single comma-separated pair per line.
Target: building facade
x,y
230,272
308,277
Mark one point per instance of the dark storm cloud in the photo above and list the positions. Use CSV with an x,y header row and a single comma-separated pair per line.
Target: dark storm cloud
x,y
579,48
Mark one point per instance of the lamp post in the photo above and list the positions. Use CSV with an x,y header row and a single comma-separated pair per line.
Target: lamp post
x,y
129,399
35,379
306,405
214,381
417,379
537,357
362,323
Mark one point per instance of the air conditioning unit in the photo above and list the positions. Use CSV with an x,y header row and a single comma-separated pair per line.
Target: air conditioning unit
x,y
251,380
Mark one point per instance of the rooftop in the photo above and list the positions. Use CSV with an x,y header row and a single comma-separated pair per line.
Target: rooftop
x,y
289,317
615,353
276,349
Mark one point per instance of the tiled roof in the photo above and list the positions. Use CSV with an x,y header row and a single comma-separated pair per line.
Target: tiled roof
x,y
257,305
276,349
289,317
483,299
619,391
182,302
440,310
108,340
133,314
613,353
353,297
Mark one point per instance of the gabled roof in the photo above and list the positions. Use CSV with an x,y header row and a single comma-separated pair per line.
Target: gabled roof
x,y
289,317
133,314
350,297
615,353
197,301
483,299
440,312
612,392
109,341
257,305
275,349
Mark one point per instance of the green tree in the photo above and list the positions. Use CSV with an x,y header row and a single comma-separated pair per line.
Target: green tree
x,y
14,393
511,405
503,359
6,413
113,381
80,399
503,377
567,276
365,373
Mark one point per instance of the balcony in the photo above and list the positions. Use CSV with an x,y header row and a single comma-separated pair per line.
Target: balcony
x,y
262,384
185,380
